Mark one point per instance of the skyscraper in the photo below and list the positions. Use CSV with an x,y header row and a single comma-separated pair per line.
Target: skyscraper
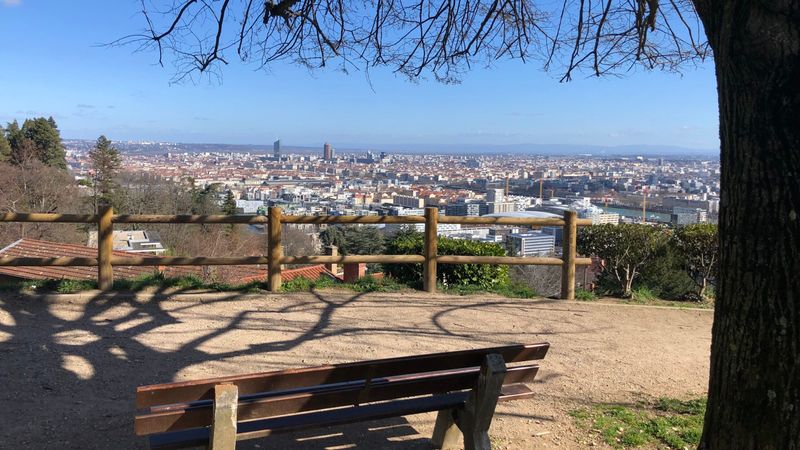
x,y
327,153
276,149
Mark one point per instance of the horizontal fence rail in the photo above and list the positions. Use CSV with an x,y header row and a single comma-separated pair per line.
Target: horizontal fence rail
x,y
275,259
288,219
48,217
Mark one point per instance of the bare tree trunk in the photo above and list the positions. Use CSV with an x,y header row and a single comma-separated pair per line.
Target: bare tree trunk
x,y
754,388
628,287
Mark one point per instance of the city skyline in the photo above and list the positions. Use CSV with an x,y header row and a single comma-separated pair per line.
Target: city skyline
x,y
138,146
92,89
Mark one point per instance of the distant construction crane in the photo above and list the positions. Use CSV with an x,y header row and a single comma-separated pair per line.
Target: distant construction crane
x,y
644,204
541,189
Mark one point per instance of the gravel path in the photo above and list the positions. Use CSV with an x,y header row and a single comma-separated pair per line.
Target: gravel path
x,y
69,364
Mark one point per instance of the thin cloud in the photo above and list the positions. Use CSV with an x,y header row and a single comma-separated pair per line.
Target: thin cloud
x,y
10,3
85,106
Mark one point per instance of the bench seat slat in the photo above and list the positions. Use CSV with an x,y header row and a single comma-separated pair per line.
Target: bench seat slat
x,y
319,389
188,391
264,427
200,415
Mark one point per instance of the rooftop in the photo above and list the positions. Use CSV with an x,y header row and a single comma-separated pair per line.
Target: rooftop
x,y
45,249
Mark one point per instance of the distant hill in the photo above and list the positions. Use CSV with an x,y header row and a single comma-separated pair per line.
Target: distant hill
x,y
550,149
156,148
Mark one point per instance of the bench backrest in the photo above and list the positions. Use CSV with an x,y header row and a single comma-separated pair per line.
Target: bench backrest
x,y
184,405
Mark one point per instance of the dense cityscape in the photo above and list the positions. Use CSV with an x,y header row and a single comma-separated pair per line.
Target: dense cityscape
x,y
675,190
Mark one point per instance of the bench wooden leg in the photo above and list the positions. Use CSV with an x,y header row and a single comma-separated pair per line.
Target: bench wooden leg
x,y
476,417
223,428
446,433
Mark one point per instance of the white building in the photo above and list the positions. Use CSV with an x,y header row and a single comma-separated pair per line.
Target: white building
x,y
533,243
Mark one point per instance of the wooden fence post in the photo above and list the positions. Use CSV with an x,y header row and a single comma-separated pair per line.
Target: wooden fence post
x,y
430,249
275,251
569,250
105,248
332,250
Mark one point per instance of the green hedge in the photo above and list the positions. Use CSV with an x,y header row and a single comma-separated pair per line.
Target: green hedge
x,y
482,275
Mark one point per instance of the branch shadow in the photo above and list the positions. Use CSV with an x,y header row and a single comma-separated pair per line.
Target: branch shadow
x,y
71,363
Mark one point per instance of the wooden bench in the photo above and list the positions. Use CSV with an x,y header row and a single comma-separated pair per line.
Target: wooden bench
x,y
464,386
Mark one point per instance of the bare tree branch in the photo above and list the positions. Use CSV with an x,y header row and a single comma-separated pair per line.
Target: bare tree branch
x,y
416,38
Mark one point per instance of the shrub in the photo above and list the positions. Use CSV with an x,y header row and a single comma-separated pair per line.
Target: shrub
x,y
626,249
544,280
666,278
156,278
370,284
698,247
510,289
72,286
62,286
643,294
584,295
484,276
302,284
299,284
515,290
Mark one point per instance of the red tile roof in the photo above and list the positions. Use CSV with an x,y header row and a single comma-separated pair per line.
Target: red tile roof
x,y
47,249
308,272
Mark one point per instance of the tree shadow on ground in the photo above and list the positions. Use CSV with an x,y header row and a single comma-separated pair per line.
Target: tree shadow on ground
x,y
69,371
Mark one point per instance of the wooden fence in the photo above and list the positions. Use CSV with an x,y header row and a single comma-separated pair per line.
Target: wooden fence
x,y
274,259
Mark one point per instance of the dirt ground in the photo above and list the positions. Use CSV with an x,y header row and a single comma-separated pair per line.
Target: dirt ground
x,y
70,364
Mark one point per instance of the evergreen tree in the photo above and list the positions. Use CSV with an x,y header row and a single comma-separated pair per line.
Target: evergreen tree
x,y
229,204
39,139
106,162
354,240
47,139
5,147
21,149
13,135
206,200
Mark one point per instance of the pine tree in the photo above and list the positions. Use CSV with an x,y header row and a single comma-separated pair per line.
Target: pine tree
x,y
47,142
106,162
13,136
5,147
229,205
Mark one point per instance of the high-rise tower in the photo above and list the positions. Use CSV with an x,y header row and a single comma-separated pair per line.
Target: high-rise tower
x,y
327,153
276,149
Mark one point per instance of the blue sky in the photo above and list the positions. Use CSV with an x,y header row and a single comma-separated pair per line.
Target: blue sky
x,y
50,64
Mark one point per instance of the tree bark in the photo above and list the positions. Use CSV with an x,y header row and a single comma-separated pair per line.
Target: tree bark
x,y
754,387
628,286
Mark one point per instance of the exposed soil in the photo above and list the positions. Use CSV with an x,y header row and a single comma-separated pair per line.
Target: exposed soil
x,y
70,364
